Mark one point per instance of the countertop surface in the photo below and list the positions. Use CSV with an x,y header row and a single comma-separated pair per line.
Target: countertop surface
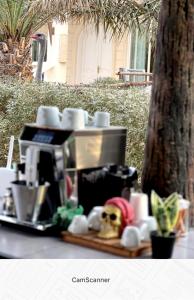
x,y
18,244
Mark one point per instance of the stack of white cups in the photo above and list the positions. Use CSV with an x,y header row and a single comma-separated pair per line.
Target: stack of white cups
x,y
71,118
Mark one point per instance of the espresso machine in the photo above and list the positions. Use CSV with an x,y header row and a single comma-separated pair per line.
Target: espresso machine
x,y
52,164
40,182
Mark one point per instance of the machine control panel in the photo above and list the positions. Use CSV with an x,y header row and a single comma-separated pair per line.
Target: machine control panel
x,y
43,137
47,136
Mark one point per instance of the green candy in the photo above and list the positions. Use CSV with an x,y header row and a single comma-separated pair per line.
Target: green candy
x,y
65,214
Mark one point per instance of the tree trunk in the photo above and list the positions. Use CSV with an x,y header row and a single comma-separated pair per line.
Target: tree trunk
x,y
15,59
168,164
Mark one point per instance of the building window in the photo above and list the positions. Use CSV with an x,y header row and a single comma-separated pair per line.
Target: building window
x,y
138,51
140,55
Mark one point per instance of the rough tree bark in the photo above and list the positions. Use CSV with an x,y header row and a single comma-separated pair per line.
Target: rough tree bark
x,y
15,59
168,164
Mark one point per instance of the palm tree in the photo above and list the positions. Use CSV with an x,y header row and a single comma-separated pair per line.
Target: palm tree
x,y
18,20
117,16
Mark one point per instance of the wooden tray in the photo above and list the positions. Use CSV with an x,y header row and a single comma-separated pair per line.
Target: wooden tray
x,y
112,246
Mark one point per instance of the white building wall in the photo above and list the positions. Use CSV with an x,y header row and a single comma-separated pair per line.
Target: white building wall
x,y
56,65
77,55
91,56
94,56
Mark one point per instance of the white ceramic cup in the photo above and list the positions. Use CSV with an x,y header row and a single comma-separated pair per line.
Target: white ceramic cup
x,y
48,116
94,221
86,117
101,119
73,118
144,232
97,209
94,218
131,237
151,222
79,225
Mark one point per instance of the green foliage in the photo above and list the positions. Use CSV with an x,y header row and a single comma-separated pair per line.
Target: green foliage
x,y
19,102
21,18
65,214
103,81
117,17
165,212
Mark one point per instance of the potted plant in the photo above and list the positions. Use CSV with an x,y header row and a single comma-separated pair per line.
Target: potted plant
x,y
166,213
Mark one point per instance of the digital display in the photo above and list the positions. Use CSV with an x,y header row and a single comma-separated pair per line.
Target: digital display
x,y
43,137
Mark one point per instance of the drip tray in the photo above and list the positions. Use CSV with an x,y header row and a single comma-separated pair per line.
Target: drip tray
x,y
40,227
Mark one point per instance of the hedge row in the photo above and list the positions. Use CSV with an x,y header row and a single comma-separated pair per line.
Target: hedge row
x,y
128,107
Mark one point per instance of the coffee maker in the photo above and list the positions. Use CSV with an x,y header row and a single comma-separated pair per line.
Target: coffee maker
x,y
40,185
52,160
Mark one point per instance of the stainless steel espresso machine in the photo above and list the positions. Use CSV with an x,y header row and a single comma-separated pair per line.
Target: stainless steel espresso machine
x,y
52,162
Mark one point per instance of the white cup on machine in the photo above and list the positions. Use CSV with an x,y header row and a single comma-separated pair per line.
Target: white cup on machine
x,y
101,119
74,118
48,116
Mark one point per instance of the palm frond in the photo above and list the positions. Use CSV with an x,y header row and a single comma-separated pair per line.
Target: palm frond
x,y
20,18
117,16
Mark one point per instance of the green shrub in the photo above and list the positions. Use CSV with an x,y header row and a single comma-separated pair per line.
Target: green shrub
x,y
104,81
128,107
